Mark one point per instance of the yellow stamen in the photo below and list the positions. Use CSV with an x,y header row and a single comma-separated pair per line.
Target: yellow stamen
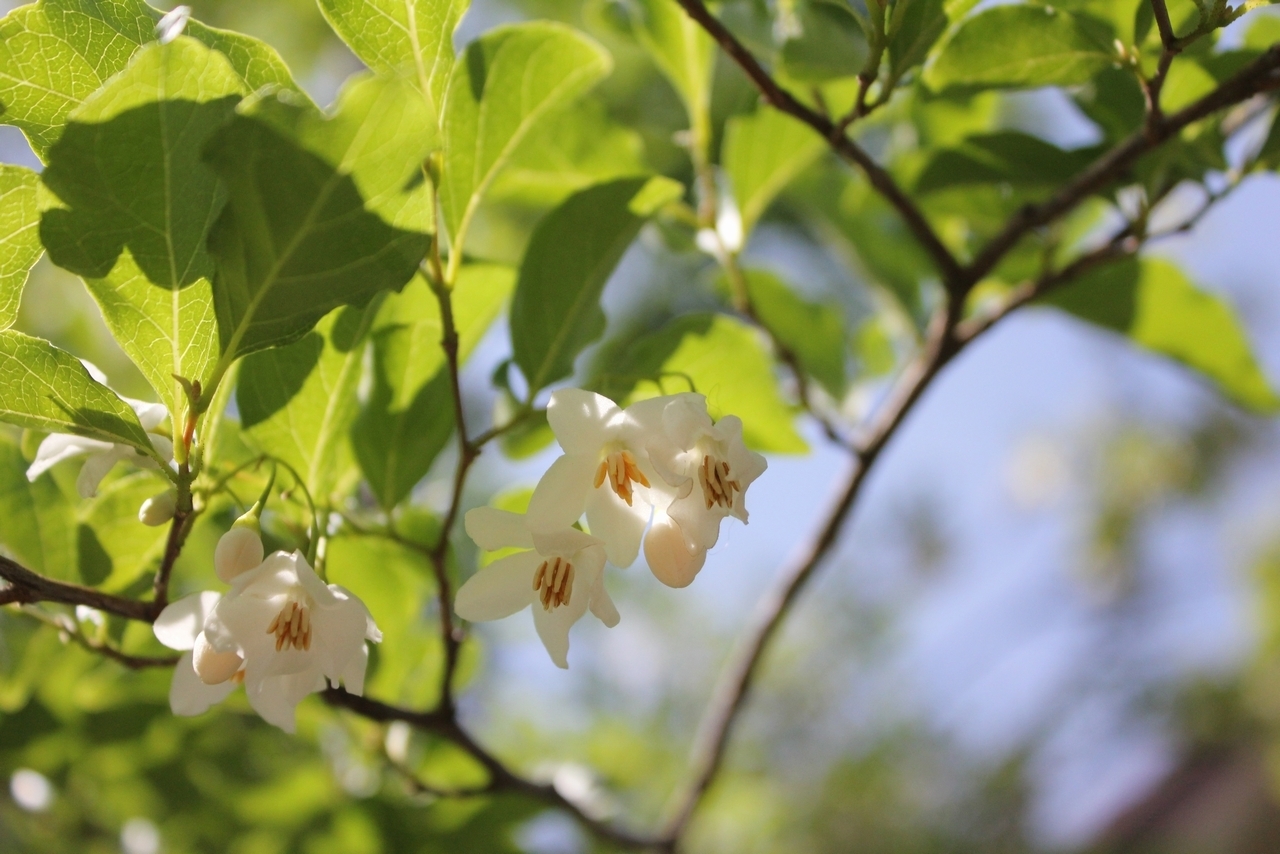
x,y
717,487
555,579
292,627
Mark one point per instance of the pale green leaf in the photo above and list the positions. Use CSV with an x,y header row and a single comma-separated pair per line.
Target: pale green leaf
x,y
115,548
762,153
1021,46
39,529
56,53
297,402
294,240
556,311
502,86
409,415
812,332
19,237
48,389
720,357
136,204
401,37
1156,305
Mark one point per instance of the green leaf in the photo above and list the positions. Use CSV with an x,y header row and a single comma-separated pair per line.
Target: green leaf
x,y
379,133
762,153
294,241
115,549
814,333
683,52
297,402
1007,157
1156,305
914,27
556,312
409,415
575,148
137,201
502,86
39,529
56,53
19,237
48,389
721,358
402,37
829,45
1021,46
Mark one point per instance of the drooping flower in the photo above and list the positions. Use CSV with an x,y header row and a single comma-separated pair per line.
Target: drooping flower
x,y
280,631
710,469
101,456
604,472
560,574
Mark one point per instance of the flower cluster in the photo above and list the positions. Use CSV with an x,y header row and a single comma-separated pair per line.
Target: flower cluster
x,y
659,473
280,631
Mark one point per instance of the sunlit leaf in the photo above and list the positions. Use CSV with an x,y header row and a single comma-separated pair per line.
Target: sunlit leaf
x,y
556,310
39,529
762,153
1155,304
19,237
683,51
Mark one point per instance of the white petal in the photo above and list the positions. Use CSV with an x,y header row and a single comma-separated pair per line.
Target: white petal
x,y
353,675
238,551
686,418
95,468
180,623
553,625
337,635
669,556
619,525
601,605
95,372
579,419
567,543
499,589
324,595
188,696
276,699
163,446
494,529
561,495
150,415
700,524
57,447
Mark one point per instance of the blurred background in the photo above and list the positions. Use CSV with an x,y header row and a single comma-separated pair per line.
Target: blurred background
x,y
1053,624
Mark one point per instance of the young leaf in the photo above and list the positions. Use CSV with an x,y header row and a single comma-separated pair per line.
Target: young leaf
x,y
19,237
1157,306
721,358
1008,157
813,332
48,389
505,83
556,312
297,402
294,241
56,53
39,528
762,153
137,202
1022,46
915,26
409,416
413,38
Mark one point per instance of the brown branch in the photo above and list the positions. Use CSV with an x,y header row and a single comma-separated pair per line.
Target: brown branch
x,y
1256,77
781,99
29,587
1167,37
183,517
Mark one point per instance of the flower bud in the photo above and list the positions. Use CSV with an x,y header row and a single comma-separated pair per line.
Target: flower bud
x,y
211,666
158,509
668,554
238,551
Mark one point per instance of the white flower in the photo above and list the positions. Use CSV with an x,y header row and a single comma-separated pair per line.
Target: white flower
x,y
280,631
102,456
158,509
238,551
172,24
293,632
710,469
560,574
605,471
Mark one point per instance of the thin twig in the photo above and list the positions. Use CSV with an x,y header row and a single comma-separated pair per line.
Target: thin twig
x,y
71,630
781,99
30,587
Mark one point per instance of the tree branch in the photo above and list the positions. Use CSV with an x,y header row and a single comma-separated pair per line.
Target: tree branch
x,y
29,587
781,99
